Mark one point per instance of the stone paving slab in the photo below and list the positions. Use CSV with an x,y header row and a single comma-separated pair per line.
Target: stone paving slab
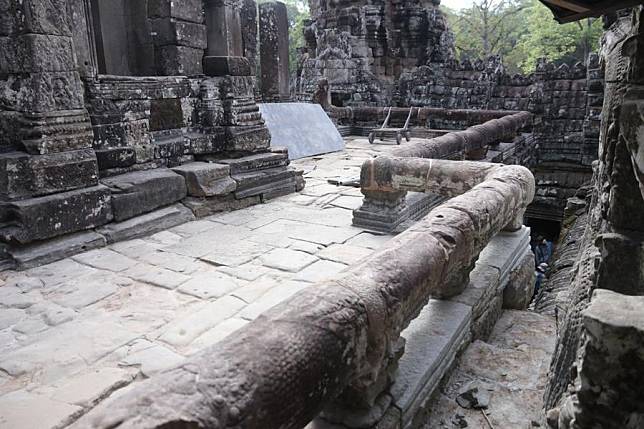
x,y
75,330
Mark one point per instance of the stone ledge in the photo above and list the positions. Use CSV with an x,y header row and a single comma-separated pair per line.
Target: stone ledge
x,y
148,223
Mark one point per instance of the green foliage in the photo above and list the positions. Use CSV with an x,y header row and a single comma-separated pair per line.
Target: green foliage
x,y
561,43
521,31
297,11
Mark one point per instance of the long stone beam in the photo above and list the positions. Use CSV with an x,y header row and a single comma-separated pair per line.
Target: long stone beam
x,y
280,370
368,113
473,138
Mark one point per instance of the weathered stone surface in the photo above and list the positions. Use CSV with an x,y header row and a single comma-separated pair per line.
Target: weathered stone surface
x,y
208,285
206,179
56,248
25,176
151,358
185,331
144,191
320,271
148,223
432,342
274,55
287,260
21,409
87,389
50,216
250,163
520,287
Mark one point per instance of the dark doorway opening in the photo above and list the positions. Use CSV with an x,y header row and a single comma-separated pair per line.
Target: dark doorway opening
x,y
548,229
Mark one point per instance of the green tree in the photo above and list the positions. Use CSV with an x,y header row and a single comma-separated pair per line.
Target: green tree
x,y
560,43
488,27
521,31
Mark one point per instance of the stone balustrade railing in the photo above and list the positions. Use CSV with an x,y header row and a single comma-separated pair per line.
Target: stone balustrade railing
x,y
386,209
341,335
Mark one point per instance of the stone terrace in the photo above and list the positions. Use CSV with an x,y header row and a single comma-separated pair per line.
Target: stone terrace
x,y
73,331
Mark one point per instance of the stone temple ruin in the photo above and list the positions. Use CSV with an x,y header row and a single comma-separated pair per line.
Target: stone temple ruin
x,y
191,237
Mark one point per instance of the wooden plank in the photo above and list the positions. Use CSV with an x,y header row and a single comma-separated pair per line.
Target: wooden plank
x,y
570,5
598,10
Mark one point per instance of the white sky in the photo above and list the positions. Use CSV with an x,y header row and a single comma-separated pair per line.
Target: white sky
x,y
456,4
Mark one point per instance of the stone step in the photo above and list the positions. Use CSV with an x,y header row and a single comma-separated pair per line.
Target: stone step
x,y
143,191
245,164
46,217
48,251
433,340
148,223
204,179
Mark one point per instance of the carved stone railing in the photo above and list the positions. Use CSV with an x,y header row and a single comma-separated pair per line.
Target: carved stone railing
x,y
386,210
339,336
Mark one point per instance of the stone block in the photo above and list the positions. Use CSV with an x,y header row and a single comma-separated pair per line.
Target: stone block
x,y
520,287
183,332
23,175
22,409
59,131
202,207
37,53
143,191
119,157
151,358
263,181
248,138
208,285
173,32
55,249
206,180
260,161
432,341
49,17
179,61
187,10
319,271
89,388
148,223
226,66
53,215
287,260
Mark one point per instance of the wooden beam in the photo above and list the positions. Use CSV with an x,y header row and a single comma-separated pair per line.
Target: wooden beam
x,y
568,4
599,9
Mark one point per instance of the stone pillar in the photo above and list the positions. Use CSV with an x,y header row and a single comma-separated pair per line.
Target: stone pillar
x,y
179,36
224,55
49,171
273,35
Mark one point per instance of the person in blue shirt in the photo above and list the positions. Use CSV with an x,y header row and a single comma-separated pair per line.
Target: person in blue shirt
x,y
541,274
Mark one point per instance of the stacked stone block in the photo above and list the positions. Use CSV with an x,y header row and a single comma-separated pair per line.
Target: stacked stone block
x,y
78,154
179,36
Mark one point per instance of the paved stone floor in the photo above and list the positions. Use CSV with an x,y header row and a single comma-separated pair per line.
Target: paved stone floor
x,y
512,365
74,331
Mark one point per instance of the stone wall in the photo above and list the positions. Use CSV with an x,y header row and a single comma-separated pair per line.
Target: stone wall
x,y
362,47
589,380
100,99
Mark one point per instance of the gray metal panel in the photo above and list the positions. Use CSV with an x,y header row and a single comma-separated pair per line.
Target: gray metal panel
x,y
303,128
